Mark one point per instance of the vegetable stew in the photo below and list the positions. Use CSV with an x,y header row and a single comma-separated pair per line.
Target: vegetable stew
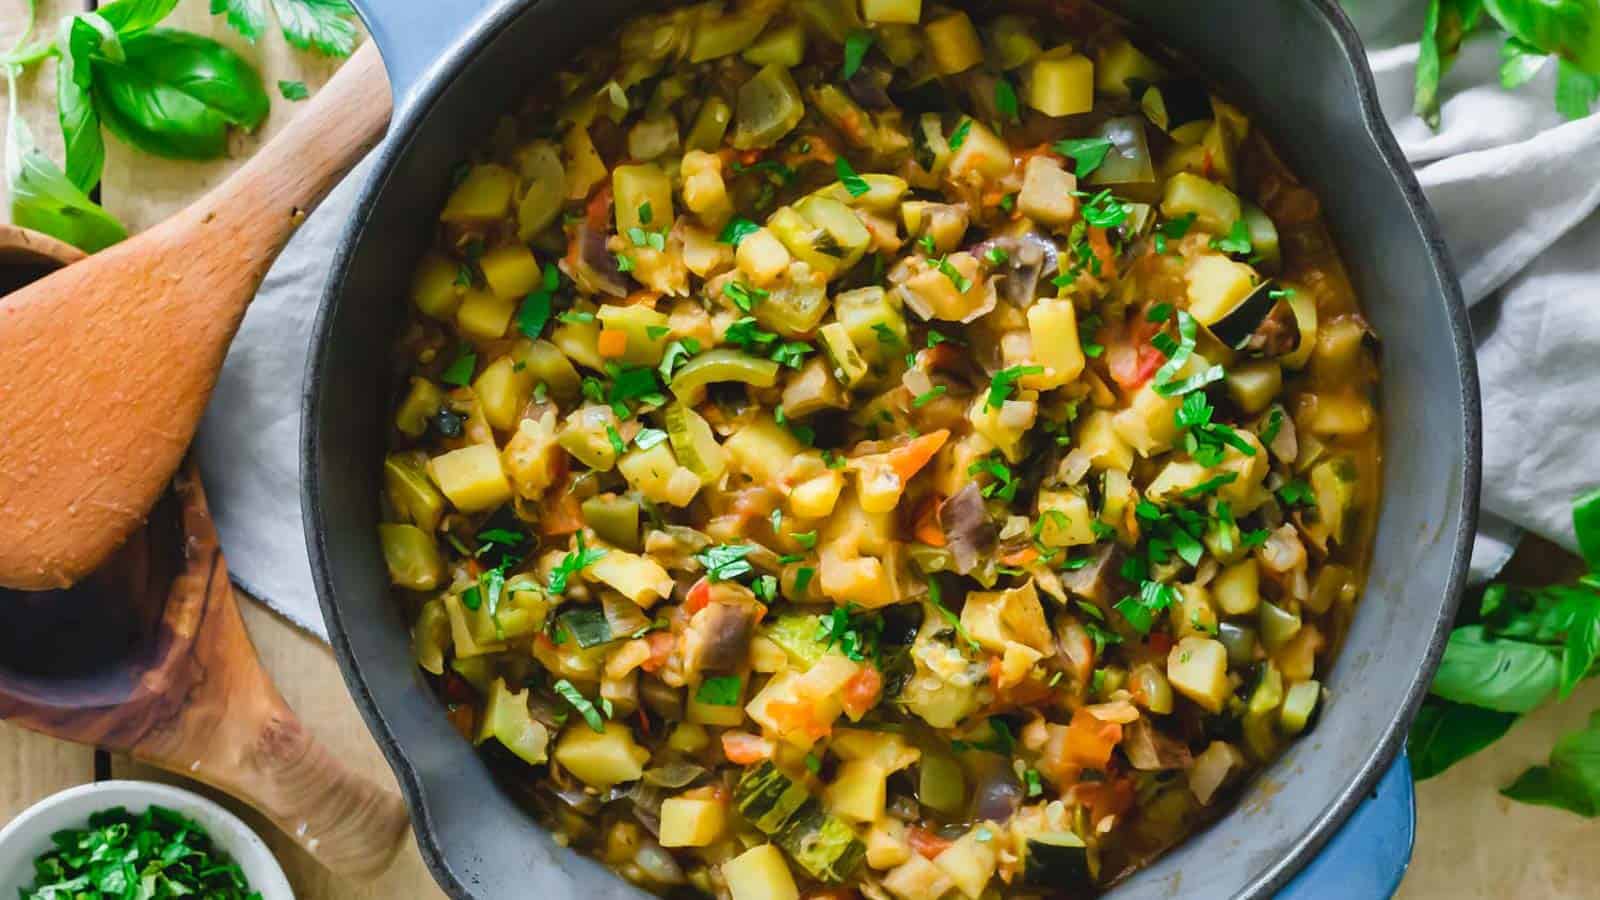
x,y
879,452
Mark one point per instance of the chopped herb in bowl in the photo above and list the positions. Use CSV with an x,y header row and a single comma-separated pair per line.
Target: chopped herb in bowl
x,y
153,855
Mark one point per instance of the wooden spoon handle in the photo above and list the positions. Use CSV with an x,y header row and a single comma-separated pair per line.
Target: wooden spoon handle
x,y
110,361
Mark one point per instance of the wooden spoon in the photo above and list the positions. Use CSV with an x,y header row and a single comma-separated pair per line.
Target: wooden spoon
x,y
149,655
109,362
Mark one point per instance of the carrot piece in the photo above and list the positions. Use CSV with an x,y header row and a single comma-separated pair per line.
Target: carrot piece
x,y
909,460
611,343
1090,741
927,528
1021,557
862,691
560,514
926,842
743,748
662,643
699,595
1101,245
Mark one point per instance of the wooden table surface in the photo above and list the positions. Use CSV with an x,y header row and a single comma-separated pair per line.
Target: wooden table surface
x,y
1471,842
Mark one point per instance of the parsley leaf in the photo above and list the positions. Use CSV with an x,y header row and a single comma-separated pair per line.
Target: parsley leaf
x,y
327,26
1087,153
737,230
581,703
293,90
1005,381
959,136
676,352
1237,240
1005,100
459,372
853,183
856,45
725,562
720,690
574,562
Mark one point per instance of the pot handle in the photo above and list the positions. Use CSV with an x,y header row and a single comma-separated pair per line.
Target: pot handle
x,y
1369,855
412,35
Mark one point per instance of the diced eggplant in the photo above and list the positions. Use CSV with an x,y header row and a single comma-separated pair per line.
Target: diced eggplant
x,y
1057,859
1239,323
718,637
969,533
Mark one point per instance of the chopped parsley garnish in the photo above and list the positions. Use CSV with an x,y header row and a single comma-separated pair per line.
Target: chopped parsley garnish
x,y
813,764
1087,329
655,240
648,437
742,295
856,45
1159,312
720,690
617,446
1237,240
676,353
1140,609
1274,425
1105,211
1176,228
656,332
1087,153
948,270
1205,440
766,589
927,244
1005,100
1000,741
576,317
158,852
725,562
624,263
574,562
856,636
852,182
1008,202
959,136
926,397
802,579
1296,493
1005,484
1005,381
1178,355
737,230
806,539
581,703
791,353
995,256
645,213
951,617
748,335
1211,484
459,372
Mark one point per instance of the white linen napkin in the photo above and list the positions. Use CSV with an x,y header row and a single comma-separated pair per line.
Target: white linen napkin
x,y
1515,187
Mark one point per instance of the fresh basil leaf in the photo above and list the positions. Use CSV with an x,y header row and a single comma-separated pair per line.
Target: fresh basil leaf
x,y
1586,524
1566,28
177,94
1519,63
1087,153
80,124
44,199
1576,90
327,26
1448,21
294,90
1571,781
1496,673
1445,733
130,17
94,33
856,44
248,17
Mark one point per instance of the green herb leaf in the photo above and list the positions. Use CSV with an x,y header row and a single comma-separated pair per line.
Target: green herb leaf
x,y
327,26
1496,673
1445,733
574,562
725,562
581,703
460,371
80,124
1005,101
959,136
1447,22
1586,524
649,437
1519,63
676,352
926,397
720,690
856,45
43,198
294,90
855,184
1571,780
1576,90
737,230
1087,153
534,314
1237,240
1005,381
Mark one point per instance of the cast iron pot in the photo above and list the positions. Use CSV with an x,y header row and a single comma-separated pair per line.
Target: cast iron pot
x,y
1298,67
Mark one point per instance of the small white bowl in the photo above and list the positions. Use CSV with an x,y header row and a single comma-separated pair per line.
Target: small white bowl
x,y
28,835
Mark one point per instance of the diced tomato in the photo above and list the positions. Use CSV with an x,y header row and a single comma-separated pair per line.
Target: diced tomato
x,y
862,691
699,595
1130,356
662,643
926,523
742,748
909,460
1090,741
1101,245
560,513
1021,557
1161,643
832,894
611,343
926,842
597,214
1111,797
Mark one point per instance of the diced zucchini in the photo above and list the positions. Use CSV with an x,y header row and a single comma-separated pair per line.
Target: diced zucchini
x,y
586,434
826,848
795,305
1061,83
1056,859
812,390
1261,713
692,822
506,719
412,556
1120,66
721,364
435,289
466,625
767,798
769,108
726,35
953,43
639,578
1215,207
550,367
484,316
842,239
834,19
584,166
873,322
636,186
797,635
645,328
1299,706
430,636
405,479
601,759
783,45
471,478
1334,483
760,873
1012,44
710,124
694,444
941,785
614,519
484,196
844,358
1197,667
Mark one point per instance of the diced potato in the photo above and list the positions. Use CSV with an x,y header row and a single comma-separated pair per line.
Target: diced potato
x,y
995,618
1047,192
503,391
584,166
970,862
953,43
1012,41
760,873
601,759
1215,207
815,497
655,473
647,332
435,289
1341,413
1061,83
633,187
889,751
762,256
546,178
1216,285
687,822
1053,325
1067,519
1254,384
688,738
1174,478
1237,588
1121,63
1003,427
887,847
763,449
484,196
506,719
857,792
933,294
464,640
586,434
1148,424
882,195
484,316
510,270
471,477
412,556
704,192
983,155
873,321
639,578
945,223
917,879
1097,437
1193,615
579,342
784,45
1198,669
904,12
